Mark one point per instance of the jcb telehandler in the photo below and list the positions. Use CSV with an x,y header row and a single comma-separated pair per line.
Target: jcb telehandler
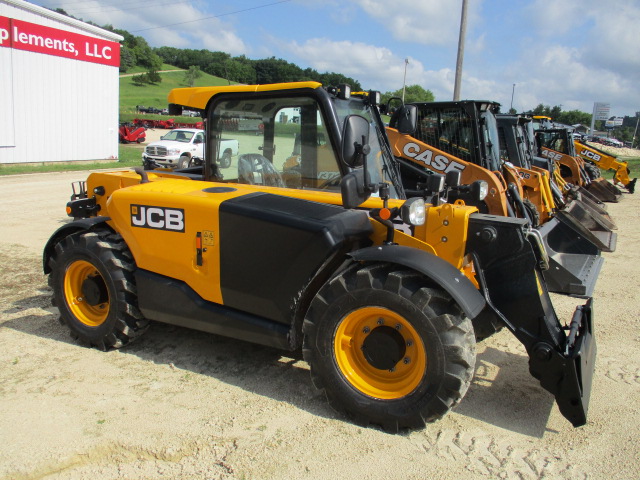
x,y
314,246
602,160
463,136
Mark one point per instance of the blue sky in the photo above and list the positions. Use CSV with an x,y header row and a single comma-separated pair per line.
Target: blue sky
x,y
569,52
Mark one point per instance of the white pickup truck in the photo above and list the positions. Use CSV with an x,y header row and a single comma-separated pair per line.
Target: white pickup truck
x,y
183,148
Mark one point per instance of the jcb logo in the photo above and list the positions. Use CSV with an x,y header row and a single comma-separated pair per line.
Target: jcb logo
x,y
592,155
158,218
439,163
552,155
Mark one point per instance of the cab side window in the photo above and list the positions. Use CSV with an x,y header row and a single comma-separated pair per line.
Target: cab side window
x,y
278,142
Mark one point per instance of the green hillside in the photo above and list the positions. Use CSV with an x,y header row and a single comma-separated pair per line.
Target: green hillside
x,y
156,95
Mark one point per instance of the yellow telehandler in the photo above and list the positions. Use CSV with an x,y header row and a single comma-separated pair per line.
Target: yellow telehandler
x,y
286,248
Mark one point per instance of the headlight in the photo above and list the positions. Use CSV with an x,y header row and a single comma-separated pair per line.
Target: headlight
x,y
479,190
173,151
413,211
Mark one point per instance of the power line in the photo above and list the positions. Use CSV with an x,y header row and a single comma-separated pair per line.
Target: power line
x,y
114,8
212,16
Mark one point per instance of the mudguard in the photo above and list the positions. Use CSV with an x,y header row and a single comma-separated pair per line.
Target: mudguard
x,y
438,270
66,230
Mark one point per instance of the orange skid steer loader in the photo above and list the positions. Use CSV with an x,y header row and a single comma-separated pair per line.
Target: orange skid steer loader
x,y
463,136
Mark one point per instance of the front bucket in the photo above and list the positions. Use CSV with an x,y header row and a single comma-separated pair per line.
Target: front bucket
x,y
590,217
587,226
574,261
605,191
590,201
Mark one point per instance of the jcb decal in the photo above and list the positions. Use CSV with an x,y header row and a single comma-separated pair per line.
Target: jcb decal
x,y
437,162
592,155
158,218
551,155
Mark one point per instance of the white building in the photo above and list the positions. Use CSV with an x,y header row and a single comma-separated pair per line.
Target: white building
x,y
58,87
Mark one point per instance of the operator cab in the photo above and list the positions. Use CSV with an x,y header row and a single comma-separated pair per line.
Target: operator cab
x,y
291,139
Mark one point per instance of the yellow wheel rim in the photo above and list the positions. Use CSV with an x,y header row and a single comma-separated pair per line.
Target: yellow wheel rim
x,y
365,334
91,314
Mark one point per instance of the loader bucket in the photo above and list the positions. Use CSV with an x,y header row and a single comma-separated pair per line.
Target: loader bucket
x,y
605,191
589,227
574,260
582,193
595,206
592,219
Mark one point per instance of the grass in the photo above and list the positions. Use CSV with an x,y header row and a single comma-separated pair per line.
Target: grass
x,y
130,155
633,165
156,95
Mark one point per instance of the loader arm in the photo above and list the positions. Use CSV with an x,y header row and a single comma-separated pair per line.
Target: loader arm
x,y
606,161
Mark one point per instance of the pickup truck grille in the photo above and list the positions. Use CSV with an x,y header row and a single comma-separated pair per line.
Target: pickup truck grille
x,y
161,151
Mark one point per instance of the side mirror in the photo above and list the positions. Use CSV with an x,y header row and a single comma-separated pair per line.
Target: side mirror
x,y
197,140
355,141
405,119
354,188
175,109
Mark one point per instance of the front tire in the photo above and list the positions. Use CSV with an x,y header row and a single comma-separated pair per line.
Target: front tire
x,y
94,289
184,162
225,161
387,347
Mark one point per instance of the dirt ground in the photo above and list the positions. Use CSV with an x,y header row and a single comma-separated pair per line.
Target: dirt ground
x,y
179,404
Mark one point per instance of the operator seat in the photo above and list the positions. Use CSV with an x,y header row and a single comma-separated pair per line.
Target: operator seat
x,y
255,169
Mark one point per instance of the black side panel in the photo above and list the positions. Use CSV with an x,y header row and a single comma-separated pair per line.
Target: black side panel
x,y
167,300
271,246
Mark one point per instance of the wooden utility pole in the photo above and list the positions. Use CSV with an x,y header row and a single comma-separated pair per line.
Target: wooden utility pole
x,y
463,31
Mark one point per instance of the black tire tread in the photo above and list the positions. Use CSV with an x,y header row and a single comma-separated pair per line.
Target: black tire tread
x,y
454,329
113,253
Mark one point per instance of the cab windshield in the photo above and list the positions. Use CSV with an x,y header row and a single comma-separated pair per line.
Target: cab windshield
x,y
178,136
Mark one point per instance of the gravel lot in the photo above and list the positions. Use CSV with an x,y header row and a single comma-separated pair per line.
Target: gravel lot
x,y
187,405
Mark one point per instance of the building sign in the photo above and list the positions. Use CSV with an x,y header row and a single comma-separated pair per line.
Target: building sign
x,y
31,37
601,111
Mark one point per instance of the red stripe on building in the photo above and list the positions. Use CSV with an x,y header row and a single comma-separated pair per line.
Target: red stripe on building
x,y
31,37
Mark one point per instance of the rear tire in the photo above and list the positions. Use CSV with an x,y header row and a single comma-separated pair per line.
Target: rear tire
x,y
94,289
387,348
592,170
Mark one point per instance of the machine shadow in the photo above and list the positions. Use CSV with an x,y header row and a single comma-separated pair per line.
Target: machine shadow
x,y
266,371
504,394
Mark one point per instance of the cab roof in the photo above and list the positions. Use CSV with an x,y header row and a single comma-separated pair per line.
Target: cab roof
x,y
198,97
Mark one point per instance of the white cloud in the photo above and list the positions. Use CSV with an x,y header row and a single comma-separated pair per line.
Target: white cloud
x,y
185,29
430,22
